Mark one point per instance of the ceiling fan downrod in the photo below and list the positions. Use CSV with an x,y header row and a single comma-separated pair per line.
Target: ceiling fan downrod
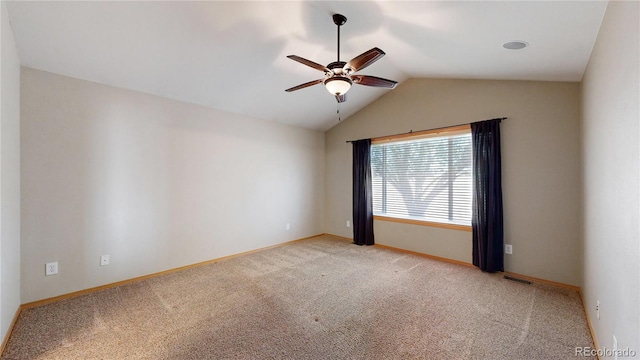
x,y
339,20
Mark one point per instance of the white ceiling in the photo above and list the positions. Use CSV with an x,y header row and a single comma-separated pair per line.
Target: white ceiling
x,y
232,55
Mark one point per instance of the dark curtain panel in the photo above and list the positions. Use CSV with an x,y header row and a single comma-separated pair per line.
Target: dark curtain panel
x,y
487,196
362,193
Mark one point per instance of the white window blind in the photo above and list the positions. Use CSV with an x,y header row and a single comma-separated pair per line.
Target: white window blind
x,y
425,179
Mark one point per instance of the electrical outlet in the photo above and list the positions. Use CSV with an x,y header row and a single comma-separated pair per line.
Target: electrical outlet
x,y
51,268
104,260
598,309
348,223
508,249
287,227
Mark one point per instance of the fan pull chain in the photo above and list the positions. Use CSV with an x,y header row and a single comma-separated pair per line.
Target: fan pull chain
x,y
338,112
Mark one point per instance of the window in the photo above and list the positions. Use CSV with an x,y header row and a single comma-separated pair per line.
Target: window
x,y
424,177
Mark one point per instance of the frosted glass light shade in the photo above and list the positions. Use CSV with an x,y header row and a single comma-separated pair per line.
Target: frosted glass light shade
x,y
338,85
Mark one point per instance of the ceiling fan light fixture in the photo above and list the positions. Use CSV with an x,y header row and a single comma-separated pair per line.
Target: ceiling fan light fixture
x,y
338,85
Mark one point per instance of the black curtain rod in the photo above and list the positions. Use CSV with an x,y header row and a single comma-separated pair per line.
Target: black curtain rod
x,y
443,127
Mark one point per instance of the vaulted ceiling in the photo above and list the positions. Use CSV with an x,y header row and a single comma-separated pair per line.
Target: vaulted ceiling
x,y
232,55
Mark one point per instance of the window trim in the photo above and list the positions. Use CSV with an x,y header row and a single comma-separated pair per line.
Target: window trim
x,y
421,134
452,130
424,223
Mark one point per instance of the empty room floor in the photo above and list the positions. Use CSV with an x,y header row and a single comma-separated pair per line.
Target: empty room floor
x,y
317,298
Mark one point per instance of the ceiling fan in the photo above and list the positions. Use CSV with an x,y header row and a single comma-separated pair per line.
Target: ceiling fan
x,y
339,74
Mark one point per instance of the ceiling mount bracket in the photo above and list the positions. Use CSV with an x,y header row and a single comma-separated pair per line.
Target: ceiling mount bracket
x,y
339,19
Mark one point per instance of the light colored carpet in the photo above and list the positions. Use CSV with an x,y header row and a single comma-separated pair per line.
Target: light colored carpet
x,y
320,298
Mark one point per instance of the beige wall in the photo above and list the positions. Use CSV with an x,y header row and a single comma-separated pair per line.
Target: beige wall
x,y
158,183
611,155
154,183
541,167
9,176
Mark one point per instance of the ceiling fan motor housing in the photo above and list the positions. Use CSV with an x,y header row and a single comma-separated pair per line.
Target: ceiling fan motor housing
x,y
337,67
338,77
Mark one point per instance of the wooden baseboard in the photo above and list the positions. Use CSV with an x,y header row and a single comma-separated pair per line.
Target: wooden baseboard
x,y
433,257
543,281
10,330
524,277
339,237
140,278
520,276
406,251
149,276
591,330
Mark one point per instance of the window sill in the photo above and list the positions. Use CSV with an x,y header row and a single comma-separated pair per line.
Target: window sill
x,y
424,223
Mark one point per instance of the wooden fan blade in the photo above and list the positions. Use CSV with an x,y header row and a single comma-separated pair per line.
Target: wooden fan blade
x,y
365,59
373,81
307,84
310,63
341,98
